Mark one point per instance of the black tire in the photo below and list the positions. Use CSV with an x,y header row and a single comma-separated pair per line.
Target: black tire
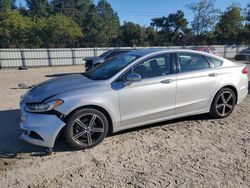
x,y
96,133
220,107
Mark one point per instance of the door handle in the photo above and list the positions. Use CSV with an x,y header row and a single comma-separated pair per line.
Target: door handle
x,y
212,74
168,81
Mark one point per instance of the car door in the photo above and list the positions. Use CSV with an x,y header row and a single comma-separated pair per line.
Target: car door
x,y
197,82
152,98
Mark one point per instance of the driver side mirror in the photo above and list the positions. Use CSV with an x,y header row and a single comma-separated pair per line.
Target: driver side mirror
x,y
132,77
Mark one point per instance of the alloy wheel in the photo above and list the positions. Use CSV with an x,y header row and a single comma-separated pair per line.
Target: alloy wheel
x,y
88,129
225,103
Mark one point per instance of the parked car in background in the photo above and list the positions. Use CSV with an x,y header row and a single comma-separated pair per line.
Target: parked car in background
x,y
130,90
210,50
243,55
91,62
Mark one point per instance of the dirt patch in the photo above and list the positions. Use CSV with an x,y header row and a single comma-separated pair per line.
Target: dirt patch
x,y
6,165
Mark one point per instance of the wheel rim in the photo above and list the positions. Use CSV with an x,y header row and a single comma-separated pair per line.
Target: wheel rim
x,y
225,103
87,129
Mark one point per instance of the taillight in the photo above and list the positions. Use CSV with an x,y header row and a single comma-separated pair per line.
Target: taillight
x,y
244,71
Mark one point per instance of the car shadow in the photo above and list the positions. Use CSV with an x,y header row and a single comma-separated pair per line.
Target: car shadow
x,y
188,118
59,75
11,145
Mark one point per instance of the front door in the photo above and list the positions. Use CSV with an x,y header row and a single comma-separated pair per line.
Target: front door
x,y
153,98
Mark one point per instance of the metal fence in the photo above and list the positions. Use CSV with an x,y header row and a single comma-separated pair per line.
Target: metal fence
x,y
11,58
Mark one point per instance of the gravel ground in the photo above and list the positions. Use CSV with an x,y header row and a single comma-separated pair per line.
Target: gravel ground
x,y
195,151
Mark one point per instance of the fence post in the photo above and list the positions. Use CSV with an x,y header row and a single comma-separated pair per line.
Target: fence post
x,y
95,52
73,56
225,51
49,57
237,49
1,66
23,58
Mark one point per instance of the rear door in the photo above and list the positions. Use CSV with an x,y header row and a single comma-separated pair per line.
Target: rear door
x,y
197,82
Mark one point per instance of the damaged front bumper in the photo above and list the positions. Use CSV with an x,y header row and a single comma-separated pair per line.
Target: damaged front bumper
x,y
40,129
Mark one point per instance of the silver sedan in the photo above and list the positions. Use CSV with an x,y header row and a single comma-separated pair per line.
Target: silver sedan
x,y
131,90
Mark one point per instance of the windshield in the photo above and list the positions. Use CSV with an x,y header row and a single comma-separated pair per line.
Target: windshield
x,y
109,68
105,53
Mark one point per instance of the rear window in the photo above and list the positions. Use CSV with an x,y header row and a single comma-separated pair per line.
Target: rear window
x,y
215,62
192,62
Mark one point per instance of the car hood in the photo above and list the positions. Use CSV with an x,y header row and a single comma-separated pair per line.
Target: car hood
x,y
57,86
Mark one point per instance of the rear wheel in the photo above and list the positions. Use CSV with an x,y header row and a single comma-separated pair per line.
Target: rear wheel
x,y
86,128
223,103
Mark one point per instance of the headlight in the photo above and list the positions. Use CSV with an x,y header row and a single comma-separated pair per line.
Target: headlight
x,y
43,107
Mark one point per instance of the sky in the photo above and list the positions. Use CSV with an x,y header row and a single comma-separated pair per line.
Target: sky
x,y
142,11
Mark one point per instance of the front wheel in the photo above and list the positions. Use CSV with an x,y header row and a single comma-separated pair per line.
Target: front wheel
x,y
86,128
223,103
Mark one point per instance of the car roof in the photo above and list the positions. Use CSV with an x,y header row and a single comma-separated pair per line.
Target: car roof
x,y
152,51
148,51
143,52
112,50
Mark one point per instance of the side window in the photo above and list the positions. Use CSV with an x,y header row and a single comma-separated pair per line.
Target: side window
x,y
153,67
215,62
192,62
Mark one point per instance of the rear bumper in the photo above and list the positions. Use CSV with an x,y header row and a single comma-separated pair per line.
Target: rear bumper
x,y
243,91
45,127
242,96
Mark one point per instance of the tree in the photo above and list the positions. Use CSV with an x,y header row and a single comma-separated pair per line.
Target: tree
x,y
101,25
244,34
14,29
7,4
57,31
247,17
172,27
38,8
247,12
92,28
205,16
230,25
133,35
151,36
109,21
73,8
